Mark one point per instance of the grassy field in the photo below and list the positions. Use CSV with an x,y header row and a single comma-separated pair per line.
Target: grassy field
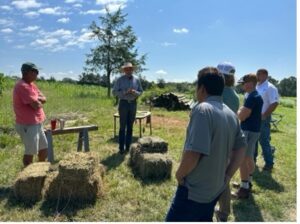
x,y
127,198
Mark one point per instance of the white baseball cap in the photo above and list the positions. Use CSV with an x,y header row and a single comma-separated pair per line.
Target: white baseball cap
x,y
226,68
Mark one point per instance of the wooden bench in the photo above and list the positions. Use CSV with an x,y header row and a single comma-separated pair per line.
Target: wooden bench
x,y
140,115
83,137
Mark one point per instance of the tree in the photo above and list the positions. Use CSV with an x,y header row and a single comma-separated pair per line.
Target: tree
x,y
273,81
116,46
1,83
288,86
161,83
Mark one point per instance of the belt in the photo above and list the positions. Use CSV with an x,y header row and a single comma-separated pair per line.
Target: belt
x,y
128,101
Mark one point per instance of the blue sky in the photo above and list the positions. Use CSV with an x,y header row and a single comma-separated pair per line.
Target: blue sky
x,y
179,36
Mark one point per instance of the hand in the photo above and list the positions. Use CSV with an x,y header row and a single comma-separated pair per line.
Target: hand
x,y
179,178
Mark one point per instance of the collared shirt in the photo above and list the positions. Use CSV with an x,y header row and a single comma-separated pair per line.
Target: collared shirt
x,y
269,93
123,84
231,99
23,95
213,131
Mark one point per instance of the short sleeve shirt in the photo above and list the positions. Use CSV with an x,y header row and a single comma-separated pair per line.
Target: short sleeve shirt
x,y
231,99
254,102
23,95
213,131
269,94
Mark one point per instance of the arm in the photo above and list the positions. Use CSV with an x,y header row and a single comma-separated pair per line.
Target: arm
x,y
117,89
236,159
42,98
243,113
35,104
139,90
188,162
269,111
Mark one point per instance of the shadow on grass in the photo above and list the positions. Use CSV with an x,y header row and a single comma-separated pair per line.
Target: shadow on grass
x,y
64,209
245,210
116,139
264,180
113,161
12,201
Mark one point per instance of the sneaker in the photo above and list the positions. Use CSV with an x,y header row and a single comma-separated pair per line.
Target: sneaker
x,y
221,216
242,193
268,167
237,185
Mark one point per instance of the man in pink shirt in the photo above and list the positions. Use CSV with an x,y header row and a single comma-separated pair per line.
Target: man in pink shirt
x,y
28,103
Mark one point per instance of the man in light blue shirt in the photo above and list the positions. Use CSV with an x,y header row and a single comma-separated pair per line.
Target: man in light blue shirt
x,y
127,88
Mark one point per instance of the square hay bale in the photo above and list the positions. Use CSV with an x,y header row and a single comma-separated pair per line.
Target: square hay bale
x,y
153,144
155,166
77,182
78,164
135,151
30,182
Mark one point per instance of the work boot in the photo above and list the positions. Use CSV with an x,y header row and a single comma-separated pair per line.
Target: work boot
x,y
242,193
268,167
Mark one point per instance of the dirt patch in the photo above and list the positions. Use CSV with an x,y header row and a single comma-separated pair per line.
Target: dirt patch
x,y
161,121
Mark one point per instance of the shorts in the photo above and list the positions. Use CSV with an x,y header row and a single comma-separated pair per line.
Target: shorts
x,y
33,137
251,138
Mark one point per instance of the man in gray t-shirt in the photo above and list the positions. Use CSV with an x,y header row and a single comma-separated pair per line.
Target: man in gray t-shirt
x,y
213,138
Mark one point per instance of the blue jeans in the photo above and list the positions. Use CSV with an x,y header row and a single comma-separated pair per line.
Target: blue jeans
x,y
127,112
264,140
184,210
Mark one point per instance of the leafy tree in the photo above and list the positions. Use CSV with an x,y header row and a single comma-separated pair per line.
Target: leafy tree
x,y
51,79
89,78
273,81
69,80
116,46
288,86
161,83
145,83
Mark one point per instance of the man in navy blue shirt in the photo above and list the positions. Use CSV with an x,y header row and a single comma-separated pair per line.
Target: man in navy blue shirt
x,y
250,117
127,88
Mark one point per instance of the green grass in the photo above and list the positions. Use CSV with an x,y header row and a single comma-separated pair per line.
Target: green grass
x,y
127,198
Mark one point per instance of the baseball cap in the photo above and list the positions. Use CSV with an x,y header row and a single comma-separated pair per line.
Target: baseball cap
x,y
248,78
226,68
29,66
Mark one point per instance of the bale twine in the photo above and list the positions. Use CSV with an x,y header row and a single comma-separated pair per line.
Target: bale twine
x,y
79,178
153,144
30,181
155,165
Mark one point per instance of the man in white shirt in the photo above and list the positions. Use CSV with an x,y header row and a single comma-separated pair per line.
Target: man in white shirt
x,y
270,97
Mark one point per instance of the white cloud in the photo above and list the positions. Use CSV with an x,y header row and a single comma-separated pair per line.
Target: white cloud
x,y
161,72
182,30
93,12
52,11
168,44
64,20
77,5
31,14
26,4
31,28
50,42
112,5
6,7
73,1
7,30
6,22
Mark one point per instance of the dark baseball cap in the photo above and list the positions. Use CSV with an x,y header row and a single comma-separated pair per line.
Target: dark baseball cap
x,y
29,66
